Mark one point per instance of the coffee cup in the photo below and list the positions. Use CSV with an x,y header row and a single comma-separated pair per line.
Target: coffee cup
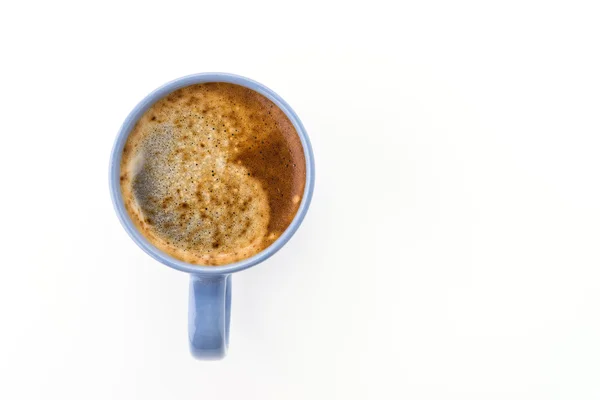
x,y
210,285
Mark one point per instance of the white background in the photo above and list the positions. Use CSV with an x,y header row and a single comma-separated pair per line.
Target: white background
x,y
452,247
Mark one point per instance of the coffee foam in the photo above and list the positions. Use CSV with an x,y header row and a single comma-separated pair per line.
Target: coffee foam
x,y
213,173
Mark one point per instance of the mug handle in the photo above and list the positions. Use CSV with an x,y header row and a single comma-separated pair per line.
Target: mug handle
x,y
209,314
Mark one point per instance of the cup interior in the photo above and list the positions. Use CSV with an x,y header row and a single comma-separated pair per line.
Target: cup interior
x,y
138,112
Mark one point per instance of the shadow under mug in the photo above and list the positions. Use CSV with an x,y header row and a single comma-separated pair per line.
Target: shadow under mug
x,y
210,287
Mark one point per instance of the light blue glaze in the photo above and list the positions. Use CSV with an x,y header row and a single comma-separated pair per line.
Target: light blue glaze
x,y
210,287
208,325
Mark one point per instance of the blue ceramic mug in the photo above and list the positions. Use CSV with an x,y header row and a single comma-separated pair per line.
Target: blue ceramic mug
x,y
210,287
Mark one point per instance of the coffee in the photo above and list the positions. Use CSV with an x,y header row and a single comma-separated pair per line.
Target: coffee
x,y
213,173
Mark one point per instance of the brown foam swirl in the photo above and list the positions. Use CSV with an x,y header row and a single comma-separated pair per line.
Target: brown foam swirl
x,y
213,173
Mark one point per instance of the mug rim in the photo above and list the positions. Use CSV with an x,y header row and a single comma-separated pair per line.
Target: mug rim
x,y
136,114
